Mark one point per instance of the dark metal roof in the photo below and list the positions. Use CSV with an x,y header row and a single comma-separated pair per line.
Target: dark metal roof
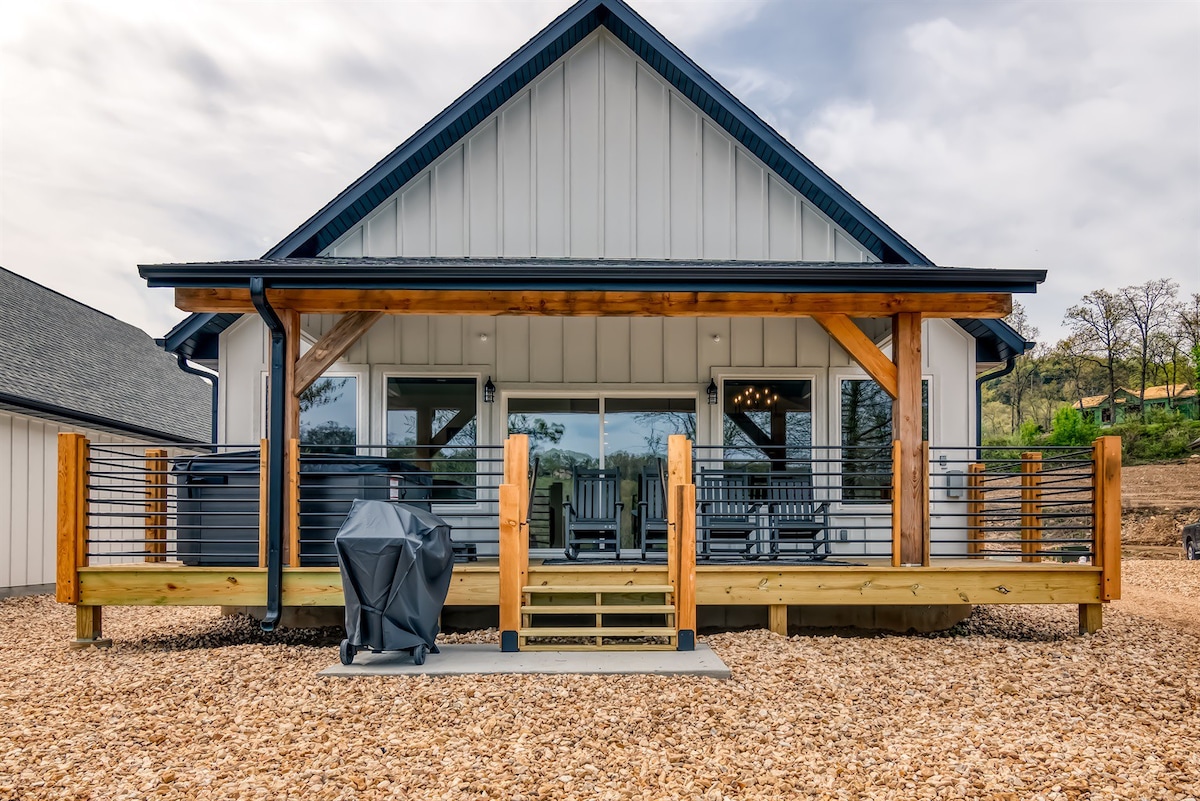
x,y
583,275
62,359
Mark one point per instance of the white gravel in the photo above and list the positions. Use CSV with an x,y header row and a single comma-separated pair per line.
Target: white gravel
x,y
1011,705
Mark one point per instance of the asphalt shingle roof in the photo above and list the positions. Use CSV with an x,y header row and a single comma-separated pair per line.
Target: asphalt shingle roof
x,y
58,352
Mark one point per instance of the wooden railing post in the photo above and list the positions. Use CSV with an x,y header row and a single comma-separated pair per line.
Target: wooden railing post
x,y
292,544
1106,540
262,503
975,538
896,503
514,539
1031,506
156,505
685,590
72,516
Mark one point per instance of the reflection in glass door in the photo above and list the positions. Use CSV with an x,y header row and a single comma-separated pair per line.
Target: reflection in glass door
x,y
587,433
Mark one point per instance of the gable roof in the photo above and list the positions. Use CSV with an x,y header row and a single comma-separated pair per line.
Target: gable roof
x,y
64,360
353,204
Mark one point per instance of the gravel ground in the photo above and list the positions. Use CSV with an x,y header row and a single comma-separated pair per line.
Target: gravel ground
x,y
1010,705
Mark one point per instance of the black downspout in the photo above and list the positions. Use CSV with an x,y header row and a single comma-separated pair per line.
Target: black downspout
x,y
1003,371
275,452
211,378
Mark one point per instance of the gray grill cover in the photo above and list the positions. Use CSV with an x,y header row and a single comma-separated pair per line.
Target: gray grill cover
x,y
396,562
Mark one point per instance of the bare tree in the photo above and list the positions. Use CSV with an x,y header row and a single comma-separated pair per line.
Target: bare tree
x,y
1187,318
1149,308
1099,332
1021,379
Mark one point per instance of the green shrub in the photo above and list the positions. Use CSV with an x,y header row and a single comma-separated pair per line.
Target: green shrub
x,y
1071,429
1156,441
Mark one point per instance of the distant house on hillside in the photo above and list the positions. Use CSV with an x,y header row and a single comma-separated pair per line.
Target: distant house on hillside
x,y
67,367
1127,403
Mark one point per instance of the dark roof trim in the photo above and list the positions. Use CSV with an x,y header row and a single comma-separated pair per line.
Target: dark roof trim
x,y
196,337
995,340
61,413
525,65
591,275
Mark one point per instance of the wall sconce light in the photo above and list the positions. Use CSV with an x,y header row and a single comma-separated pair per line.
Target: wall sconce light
x,y
489,391
712,392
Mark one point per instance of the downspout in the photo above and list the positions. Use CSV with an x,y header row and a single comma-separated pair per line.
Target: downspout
x,y
1003,371
275,452
211,378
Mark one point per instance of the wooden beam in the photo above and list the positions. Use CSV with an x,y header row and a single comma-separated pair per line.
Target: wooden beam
x,y
1106,539
291,435
910,503
860,347
511,584
975,510
685,597
331,347
156,505
89,625
293,504
603,304
71,551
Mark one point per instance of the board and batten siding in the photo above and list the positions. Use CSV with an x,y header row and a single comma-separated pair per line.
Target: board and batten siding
x,y
599,158
596,354
29,497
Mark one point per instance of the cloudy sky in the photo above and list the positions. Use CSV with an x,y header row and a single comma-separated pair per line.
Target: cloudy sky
x,y
1059,135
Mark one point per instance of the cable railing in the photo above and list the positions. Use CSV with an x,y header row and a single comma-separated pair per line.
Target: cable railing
x,y
459,483
804,502
198,504
1013,503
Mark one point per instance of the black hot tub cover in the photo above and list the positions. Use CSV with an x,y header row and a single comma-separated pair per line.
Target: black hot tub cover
x,y
395,561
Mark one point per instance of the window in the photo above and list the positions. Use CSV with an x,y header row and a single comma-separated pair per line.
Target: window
x,y
329,414
432,423
866,412
768,425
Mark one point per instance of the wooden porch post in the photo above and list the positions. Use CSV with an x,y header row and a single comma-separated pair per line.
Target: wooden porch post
x,y
156,505
72,552
291,436
909,504
681,538
514,539
975,510
1031,506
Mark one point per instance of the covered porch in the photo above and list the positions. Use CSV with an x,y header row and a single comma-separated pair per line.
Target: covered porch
x,y
906,524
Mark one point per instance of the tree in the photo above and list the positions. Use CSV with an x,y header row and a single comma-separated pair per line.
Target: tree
x,y
1148,308
1024,375
1187,319
1099,332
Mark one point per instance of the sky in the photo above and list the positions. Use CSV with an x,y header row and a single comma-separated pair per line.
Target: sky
x,y
1057,135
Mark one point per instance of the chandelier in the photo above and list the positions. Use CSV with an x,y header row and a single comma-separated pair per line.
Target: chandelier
x,y
755,399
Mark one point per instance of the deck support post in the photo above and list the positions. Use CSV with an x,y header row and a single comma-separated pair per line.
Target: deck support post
x,y
681,538
975,510
909,505
1091,618
777,619
89,628
514,539
71,551
291,436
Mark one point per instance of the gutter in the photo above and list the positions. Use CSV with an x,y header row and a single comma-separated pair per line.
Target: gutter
x,y
212,378
1003,371
276,455
94,420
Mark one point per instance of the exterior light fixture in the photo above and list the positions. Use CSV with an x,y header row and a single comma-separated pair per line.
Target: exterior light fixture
x,y
712,392
489,391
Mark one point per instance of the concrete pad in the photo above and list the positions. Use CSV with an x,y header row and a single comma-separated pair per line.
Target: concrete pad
x,y
477,660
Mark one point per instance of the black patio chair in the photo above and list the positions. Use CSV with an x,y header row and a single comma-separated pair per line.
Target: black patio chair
x,y
650,512
728,512
793,515
592,517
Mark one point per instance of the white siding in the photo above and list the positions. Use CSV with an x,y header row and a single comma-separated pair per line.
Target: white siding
x,y
29,496
613,353
599,157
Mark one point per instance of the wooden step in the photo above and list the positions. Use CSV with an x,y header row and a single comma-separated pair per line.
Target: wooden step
x,y
604,589
654,646
600,631
600,609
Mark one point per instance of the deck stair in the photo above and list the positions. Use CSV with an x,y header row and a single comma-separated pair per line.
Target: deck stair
x,y
598,617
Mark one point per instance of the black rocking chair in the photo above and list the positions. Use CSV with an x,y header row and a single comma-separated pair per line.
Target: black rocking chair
x,y
794,515
650,513
592,518
728,512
